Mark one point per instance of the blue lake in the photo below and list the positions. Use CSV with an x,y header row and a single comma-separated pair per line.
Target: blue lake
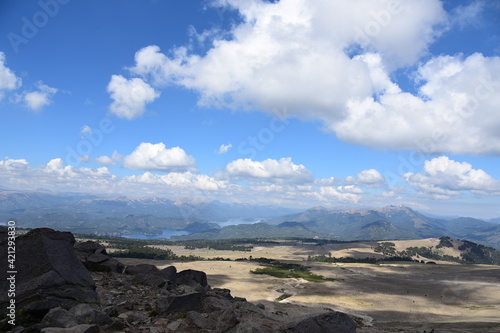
x,y
167,233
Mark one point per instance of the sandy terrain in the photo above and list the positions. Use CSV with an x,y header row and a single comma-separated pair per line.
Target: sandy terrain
x,y
396,297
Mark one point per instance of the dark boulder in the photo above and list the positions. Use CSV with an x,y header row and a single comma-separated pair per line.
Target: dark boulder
x,y
179,303
328,322
59,317
149,280
169,274
93,255
49,275
86,314
191,277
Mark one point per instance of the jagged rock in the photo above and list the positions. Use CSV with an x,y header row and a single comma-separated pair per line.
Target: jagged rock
x,y
192,277
148,280
168,273
226,293
59,317
199,320
110,311
93,255
141,269
329,322
85,314
228,319
74,329
247,317
52,276
215,303
132,317
179,303
124,306
87,248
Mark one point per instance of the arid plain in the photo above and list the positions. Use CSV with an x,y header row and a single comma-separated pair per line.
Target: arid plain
x,y
386,297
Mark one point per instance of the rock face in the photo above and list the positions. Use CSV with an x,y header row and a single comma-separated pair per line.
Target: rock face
x,y
93,255
49,275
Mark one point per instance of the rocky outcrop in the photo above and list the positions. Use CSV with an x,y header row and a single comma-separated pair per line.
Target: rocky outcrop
x,y
61,295
93,255
49,275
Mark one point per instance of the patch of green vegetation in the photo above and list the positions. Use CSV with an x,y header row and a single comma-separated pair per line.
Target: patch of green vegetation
x,y
285,270
484,307
282,297
330,259
366,260
180,315
479,254
386,248
444,241
145,252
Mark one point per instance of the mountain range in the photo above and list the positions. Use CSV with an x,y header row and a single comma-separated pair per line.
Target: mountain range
x,y
91,214
387,223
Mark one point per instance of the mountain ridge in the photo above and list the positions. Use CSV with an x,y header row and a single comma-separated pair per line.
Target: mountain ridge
x,y
86,213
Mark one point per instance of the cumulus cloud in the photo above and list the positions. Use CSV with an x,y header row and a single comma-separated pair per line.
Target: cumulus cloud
x,y
109,160
12,164
334,60
224,148
148,156
185,180
55,174
8,79
38,99
270,170
130,96
443,178
368,178
456,110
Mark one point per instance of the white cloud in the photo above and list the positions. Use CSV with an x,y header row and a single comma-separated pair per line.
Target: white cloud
x,y
148,156
185,180
109,160
130,96
455,112
11,164
84,131
333,61
55,175
340,194
443,178
36,100
270,170
467,15
8,80
224,148
368,178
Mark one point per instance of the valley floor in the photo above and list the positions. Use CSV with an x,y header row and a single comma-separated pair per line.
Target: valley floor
x,y
392,297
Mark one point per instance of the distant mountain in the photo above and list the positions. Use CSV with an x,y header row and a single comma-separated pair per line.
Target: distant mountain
x,y
91,214
388,223
495,220
255,230
383,230
348,224
84,213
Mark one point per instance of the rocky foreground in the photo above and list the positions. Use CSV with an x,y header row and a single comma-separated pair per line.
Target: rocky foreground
x,y
61,286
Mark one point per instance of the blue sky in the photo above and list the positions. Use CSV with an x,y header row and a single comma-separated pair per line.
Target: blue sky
x,y
295,103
